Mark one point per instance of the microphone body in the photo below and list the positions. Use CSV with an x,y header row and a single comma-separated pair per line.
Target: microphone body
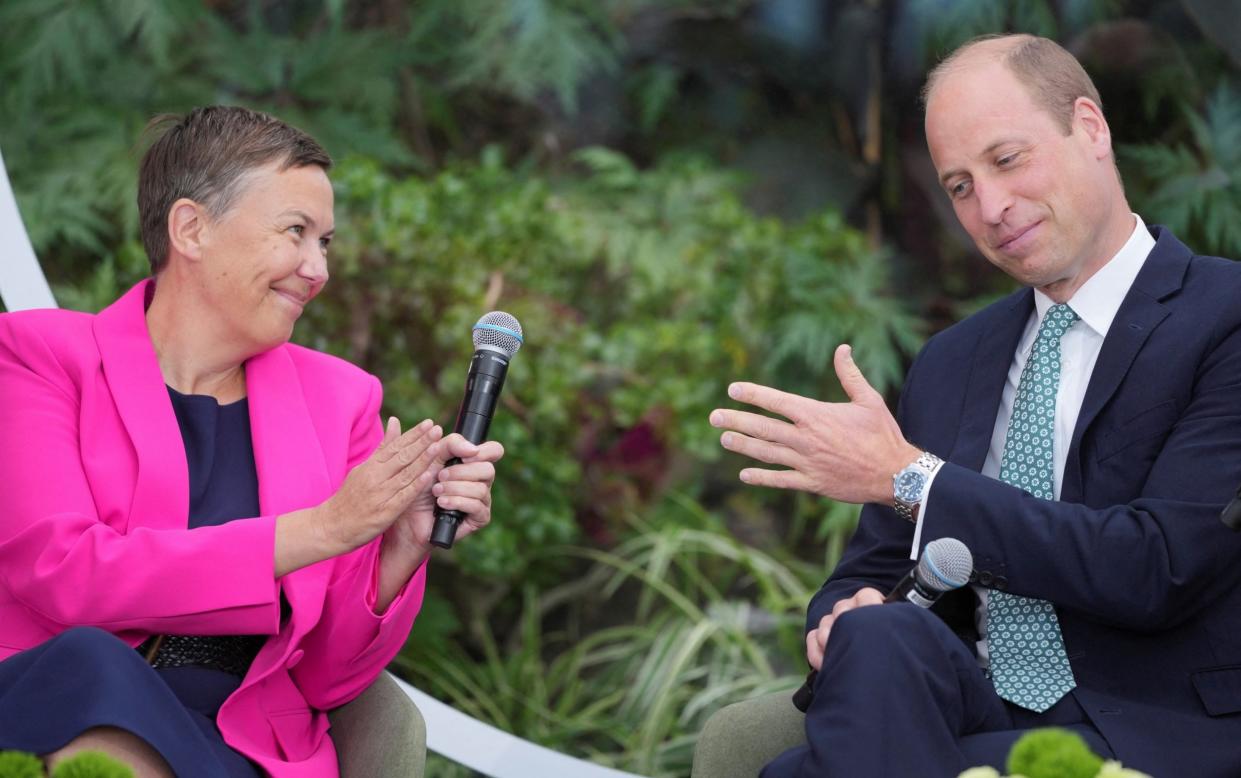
x,y
497,336
945,565
482,391
913,588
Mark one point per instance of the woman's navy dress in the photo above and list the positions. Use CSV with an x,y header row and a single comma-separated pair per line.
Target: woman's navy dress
x,y
86,677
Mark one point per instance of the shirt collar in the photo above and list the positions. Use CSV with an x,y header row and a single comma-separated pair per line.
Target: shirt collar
x,y
1098,300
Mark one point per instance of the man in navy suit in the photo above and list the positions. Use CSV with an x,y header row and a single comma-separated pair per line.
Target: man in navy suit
x,y
1079,436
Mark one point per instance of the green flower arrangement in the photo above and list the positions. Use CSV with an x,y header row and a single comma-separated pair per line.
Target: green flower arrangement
x,y
1054,753
87,764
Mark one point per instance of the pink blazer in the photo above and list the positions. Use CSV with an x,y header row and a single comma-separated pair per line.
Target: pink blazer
x,y
94,497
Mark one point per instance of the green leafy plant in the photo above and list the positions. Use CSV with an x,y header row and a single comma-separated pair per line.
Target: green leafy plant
x,y
623,661
18,764
86,764
91,764
1045,753
607,402
1195,187
1053,752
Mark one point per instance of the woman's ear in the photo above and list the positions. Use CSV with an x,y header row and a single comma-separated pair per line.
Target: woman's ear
x,y
187,227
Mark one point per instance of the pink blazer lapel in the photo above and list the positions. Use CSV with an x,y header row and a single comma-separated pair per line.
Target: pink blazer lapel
x,y
292,469
161,495
291,466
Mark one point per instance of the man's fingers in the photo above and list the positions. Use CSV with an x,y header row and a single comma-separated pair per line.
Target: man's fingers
x,y
814,654
774,400
862,598
816,641
754,425
869,596
777,479
771,453
843,606
851,379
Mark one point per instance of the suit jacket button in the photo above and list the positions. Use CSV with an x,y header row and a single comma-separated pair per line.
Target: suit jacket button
x,y
985,578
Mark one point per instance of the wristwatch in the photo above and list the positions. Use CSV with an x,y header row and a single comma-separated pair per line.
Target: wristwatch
x,y
909,483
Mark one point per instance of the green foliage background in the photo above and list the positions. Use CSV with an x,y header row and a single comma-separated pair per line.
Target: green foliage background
x,y
670,195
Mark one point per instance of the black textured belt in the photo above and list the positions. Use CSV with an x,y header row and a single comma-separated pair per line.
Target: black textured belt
x,y
230,653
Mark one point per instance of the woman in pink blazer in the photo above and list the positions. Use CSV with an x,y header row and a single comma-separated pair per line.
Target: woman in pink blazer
x,y
176,477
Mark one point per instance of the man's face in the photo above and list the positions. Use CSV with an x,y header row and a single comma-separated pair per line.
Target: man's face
x,y
266,257
1035,200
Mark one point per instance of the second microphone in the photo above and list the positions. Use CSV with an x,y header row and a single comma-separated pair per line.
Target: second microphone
x,y
945,565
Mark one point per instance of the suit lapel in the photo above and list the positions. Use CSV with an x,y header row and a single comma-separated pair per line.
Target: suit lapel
x,y
161,497
292,471
992,358
1139,314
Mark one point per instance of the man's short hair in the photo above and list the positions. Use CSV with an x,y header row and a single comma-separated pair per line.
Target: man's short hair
x,y
205,156
1054,76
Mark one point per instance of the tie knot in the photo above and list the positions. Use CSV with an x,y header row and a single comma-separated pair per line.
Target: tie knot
x,y
1057,321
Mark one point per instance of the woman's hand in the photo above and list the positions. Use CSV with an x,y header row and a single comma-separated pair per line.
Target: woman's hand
x,y
372,496
377,491
465,487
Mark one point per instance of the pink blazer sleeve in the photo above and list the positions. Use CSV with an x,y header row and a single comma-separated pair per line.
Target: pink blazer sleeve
x,y
64,564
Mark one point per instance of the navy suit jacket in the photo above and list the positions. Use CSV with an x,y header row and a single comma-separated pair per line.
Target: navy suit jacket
x,y
1145,578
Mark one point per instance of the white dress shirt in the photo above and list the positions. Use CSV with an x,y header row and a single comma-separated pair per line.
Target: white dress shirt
x,y
1095,304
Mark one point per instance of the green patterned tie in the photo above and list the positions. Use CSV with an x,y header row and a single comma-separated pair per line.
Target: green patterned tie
x,y
1029,666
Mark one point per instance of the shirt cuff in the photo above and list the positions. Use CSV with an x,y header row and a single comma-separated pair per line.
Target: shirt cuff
x,y
924,506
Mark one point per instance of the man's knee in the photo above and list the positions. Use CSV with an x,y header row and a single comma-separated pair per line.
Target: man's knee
x,y
884,623
896,630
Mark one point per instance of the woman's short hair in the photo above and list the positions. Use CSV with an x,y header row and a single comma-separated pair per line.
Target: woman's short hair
x,y
205,156
1054,76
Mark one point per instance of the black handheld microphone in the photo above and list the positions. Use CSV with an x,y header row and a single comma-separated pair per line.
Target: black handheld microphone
x,y
497,336
1231,515
945,565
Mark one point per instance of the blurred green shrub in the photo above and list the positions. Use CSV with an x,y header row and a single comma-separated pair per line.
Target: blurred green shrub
x,y
615,601
642,293
623,662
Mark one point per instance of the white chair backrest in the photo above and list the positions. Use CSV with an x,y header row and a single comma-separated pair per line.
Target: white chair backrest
x,y
22,284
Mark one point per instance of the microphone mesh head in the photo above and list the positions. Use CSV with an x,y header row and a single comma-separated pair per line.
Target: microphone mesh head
x,y
946,564
498,330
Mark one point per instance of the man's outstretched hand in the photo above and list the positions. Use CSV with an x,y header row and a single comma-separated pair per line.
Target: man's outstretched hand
x,y
846,451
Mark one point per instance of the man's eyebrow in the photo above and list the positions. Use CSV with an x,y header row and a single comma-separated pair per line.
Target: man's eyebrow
x,y
943,179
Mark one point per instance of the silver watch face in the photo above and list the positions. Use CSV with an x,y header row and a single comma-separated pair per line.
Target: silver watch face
x,y
908,485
